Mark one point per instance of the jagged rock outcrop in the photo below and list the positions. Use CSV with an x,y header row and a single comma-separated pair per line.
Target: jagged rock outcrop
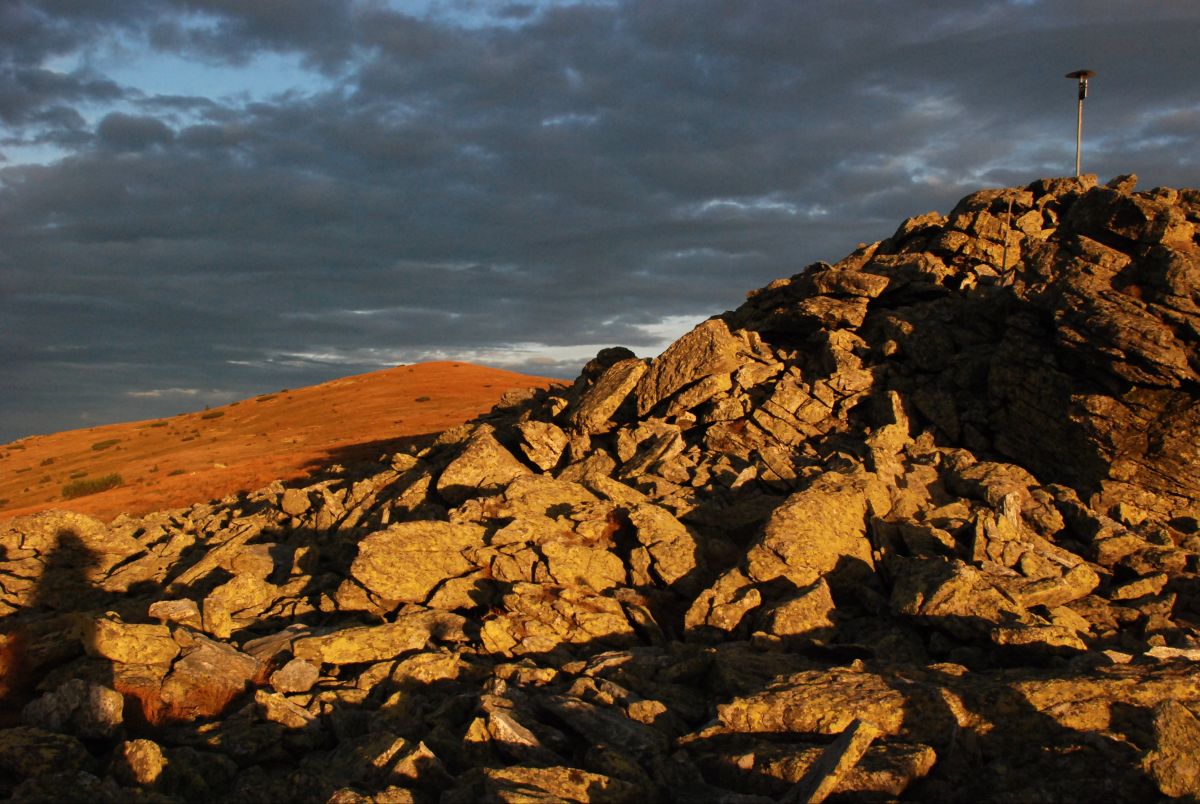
x,y
922,523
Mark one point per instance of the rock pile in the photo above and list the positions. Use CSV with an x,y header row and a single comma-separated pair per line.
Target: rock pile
x,y
923,523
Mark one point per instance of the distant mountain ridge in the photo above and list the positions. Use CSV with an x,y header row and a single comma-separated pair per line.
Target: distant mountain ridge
x,y
921,524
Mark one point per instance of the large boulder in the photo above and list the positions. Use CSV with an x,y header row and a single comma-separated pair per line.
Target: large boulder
x,y
706,350
407,561
821,531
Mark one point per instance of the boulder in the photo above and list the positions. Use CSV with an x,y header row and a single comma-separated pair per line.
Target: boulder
x,y
543,443
411,631
78,707
601,401
819,702
297,675
138,763
483,466
408,560
1174,761
522,783
129,643
206,679
819,532
668,555
807,614
951,595
27,751
707,350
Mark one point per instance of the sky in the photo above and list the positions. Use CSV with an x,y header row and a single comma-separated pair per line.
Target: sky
x,y
203,200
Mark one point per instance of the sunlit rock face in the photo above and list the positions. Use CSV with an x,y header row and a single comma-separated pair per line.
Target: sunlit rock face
x,y
923,523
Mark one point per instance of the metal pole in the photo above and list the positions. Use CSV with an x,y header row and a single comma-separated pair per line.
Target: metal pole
x,y
1078,135
1082,76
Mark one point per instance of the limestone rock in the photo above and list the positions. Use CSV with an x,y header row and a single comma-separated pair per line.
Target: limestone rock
x,y
953,596
706,350
806,614
821,702
1174,762
483,466
543,443
77,707
669,553
295,676
27,751
129,643
138,762
295,502
372,643
601,402
408,560
520,784
819,531
722,606
206,679
538,618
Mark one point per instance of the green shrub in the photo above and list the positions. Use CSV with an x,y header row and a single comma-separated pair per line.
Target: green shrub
x,y
212,414
421,399
105,444
80,488
47,461
265,397
174,472
162,423
78,473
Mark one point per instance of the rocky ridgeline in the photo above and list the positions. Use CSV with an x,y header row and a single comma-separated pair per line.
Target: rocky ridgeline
x,y
923,523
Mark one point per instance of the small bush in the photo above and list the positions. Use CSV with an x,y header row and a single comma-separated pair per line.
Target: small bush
x,y
212,414
105,444
78,473
422,399
174,472
47,461
265,398
23,470
162,423
80,488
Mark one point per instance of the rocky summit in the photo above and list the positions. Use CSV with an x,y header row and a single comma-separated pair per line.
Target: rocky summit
x,y
924,523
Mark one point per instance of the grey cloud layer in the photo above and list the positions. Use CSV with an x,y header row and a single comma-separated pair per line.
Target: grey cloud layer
x,y
564,175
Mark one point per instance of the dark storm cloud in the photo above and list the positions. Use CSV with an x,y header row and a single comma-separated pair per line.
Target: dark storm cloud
x,y
124,132
34,96
487,177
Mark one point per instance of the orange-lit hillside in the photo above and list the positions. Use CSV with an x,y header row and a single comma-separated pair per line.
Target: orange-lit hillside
x,y
172,462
